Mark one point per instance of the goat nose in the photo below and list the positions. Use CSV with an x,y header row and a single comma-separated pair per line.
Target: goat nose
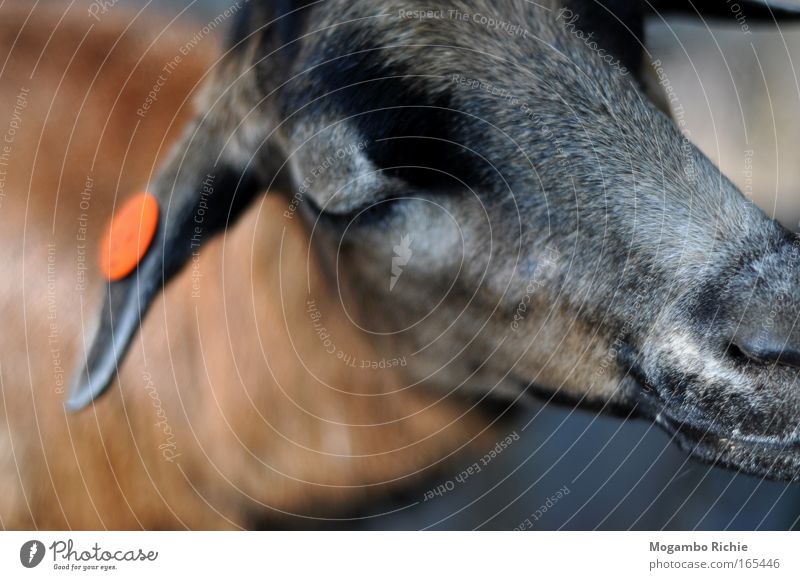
x,y
769,346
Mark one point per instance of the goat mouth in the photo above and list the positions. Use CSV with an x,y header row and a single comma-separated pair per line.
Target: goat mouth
x,y
766,456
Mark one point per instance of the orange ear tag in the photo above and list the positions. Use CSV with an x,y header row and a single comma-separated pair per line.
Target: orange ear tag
x,y
128,236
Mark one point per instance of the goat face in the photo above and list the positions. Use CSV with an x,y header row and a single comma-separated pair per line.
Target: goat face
x,y
500,203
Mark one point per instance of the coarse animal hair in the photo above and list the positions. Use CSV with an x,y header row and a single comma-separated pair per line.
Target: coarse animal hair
x,y
482,202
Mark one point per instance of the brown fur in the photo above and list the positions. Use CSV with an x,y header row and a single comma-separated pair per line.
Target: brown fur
x,y
264,421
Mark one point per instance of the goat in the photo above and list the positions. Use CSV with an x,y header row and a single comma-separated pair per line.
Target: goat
x,y
202,432
495,202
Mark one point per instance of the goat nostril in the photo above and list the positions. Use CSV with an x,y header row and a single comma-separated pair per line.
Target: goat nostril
x,y
736,353
765,351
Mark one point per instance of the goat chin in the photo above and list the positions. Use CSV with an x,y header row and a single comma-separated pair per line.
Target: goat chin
x,y
226,410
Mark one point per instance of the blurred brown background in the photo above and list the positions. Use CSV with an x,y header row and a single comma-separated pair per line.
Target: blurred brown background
x,y
741,99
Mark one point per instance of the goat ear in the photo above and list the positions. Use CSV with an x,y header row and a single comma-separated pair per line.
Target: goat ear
x,y
755,10
199,191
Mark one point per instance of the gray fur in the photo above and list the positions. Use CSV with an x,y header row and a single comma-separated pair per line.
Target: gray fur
x,y
567,241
